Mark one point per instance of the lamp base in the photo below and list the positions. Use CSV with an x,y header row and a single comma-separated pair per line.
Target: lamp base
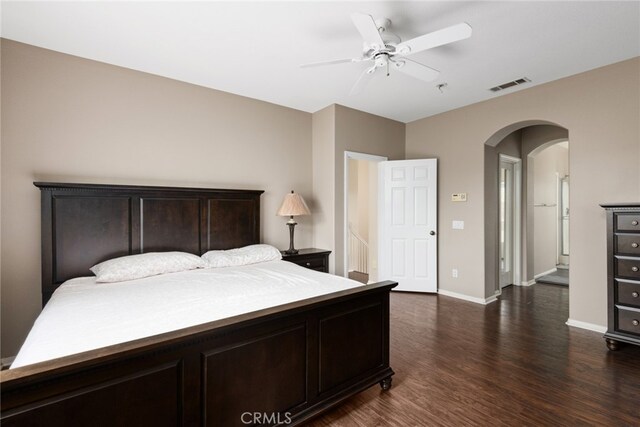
x,y
292,224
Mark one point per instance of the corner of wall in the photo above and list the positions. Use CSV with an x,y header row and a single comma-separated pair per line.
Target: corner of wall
x,y
322,204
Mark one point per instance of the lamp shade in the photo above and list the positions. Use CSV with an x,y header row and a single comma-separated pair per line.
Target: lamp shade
x,y
293,205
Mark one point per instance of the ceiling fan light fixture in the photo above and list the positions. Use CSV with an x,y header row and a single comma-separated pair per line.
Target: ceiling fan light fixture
x,y
382,60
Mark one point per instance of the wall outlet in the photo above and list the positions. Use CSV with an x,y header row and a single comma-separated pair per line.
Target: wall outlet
x,y
454,273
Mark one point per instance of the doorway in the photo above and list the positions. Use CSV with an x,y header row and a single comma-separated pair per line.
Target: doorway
x,y
515,248
390,221
509,178
509,199
361,216
551,189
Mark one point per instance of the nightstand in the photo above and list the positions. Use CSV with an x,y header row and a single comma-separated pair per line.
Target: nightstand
x,y
312,258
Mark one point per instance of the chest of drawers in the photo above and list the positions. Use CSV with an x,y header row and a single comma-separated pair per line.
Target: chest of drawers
x,y
623,274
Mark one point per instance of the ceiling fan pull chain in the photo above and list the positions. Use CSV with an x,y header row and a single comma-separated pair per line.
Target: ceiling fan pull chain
x,y
387,68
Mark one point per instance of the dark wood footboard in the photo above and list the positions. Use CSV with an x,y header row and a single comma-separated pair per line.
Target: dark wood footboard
x,y
281,365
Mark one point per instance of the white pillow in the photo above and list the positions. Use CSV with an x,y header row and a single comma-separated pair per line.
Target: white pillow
x,y
144,265
242,256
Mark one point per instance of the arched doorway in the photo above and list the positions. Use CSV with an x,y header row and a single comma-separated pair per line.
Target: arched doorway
x,y
511,248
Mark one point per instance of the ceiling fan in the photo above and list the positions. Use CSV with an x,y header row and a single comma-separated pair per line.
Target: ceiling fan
x,y
386,50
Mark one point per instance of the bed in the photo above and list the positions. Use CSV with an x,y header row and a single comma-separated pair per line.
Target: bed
x,y
281,363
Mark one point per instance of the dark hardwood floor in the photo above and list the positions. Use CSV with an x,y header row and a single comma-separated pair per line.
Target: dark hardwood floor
x,y
511,363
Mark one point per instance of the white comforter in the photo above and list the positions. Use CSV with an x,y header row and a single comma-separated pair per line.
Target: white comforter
x,y
84,315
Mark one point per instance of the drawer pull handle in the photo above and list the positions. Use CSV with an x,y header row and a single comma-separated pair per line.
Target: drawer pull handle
x,y
635,322
634,222
634,269
634,245
634,294
309,264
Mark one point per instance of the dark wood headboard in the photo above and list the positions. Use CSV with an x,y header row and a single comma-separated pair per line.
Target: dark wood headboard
x,y
84,224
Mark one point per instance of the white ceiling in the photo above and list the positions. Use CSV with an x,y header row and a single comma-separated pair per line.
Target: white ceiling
x,y
254,48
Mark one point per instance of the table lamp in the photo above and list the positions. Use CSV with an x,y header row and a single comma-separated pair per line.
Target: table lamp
x,y
292,205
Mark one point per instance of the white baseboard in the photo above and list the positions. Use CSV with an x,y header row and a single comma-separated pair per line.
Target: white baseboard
x,y
529,283
5,362
544,273
483,301
589,326
491,299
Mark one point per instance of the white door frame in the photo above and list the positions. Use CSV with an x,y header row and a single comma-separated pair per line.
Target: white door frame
x,y
517,219
561,258
352,155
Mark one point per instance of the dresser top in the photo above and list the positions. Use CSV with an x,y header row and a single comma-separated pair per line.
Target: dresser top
x,y
307,251
620,205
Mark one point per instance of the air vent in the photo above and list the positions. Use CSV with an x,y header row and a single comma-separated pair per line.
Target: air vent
x,y
510,84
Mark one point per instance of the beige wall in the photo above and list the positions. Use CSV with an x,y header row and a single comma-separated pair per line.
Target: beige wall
x,y
450,139
363,209
363,199
600,109
549,165
323,204
358,199
76,120
352,197
363,133
373,221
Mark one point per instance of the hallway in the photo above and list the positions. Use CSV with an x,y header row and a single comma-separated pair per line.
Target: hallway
x,y
558,277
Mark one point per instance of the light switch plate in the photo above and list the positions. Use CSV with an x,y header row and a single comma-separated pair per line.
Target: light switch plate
x,y
457,225
459,197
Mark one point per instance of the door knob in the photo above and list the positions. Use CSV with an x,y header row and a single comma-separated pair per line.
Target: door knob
x,y
433,233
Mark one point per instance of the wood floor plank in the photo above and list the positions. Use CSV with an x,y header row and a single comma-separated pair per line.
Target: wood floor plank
x,y
513,362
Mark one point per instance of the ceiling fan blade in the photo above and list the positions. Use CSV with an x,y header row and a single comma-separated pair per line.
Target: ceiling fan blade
x,y
437,38
416,69
362,81
368,29
335,61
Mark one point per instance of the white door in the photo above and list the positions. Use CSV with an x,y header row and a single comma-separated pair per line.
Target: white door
x,y
408,219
